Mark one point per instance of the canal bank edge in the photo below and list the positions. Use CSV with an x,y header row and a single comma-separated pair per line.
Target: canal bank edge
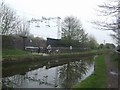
x,y
29,58
98,79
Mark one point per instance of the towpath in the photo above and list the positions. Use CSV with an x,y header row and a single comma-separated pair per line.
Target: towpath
x,y
112,73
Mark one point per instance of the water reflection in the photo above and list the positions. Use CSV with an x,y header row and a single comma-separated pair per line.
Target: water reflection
x,y
65,74
39,78
72,72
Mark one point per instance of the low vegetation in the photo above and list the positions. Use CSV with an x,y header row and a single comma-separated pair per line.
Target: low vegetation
x,y
115,57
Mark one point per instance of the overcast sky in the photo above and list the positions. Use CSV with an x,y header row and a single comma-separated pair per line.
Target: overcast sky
x,y
82,9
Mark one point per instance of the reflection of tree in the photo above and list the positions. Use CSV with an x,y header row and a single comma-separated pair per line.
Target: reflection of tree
x,y
71,72
14,81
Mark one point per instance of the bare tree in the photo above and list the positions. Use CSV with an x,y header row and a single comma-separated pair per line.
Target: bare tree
x,y
8,20
11,23
23,28
111,12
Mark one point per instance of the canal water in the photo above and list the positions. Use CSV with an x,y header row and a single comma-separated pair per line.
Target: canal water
x,y
50,74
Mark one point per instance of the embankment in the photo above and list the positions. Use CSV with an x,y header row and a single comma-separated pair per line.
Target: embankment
x,y
13,59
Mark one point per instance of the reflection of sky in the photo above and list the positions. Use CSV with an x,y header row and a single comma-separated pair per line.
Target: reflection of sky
x,y
41,73
83,9
90,71
31,79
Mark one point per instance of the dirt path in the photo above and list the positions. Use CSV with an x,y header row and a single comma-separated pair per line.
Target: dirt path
x,y
112,73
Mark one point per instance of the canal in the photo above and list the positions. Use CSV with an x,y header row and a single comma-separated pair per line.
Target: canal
x,y
62,73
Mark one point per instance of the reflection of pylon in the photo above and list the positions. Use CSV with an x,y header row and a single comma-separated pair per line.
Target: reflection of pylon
x,y
56,77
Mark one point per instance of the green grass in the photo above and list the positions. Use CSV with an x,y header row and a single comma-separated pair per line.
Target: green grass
x,y
17,55
14,52
98,78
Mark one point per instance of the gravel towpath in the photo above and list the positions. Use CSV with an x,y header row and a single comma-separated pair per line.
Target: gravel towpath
x,y
112,73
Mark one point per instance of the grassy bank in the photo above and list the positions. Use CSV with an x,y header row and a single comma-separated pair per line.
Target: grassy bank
x,y
98,78
17,52
18,56
14,52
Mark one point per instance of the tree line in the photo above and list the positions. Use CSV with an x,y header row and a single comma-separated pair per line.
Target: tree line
x,y
73,33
